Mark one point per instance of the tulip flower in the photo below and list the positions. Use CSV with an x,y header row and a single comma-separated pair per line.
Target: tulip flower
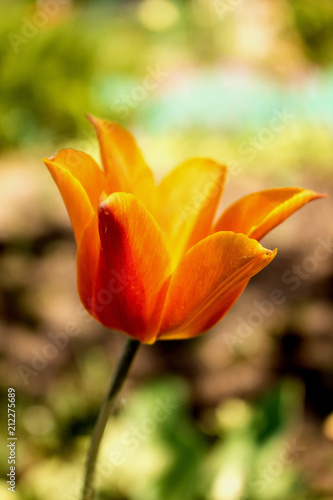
x,y
151,261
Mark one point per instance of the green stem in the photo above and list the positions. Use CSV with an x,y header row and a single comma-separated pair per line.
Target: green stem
x,y
104,414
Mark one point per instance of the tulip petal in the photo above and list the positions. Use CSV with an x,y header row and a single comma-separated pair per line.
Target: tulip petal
x,y
258,213
80,182
208,280
122,160
188,198
84,168
87,262
133,268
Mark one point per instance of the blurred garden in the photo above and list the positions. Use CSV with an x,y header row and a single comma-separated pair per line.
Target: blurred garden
x,y
245,411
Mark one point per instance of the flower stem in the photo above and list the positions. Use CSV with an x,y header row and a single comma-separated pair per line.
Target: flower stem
x,y
103,417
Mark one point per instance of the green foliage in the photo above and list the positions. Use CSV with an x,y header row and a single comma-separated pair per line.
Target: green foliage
x,y
44,80
90,59
155,450
314,21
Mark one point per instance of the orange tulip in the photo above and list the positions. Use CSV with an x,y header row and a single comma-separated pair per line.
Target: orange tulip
x,y
151,262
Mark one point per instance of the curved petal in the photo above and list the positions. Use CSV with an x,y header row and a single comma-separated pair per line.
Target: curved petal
x,y
84,168
122,161
207,282
80,182
134,264
87,262
258,213
188,198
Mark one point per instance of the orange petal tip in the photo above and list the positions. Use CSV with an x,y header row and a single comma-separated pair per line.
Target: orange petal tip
x,y
94,120
51,158
90,117
315,195
271,253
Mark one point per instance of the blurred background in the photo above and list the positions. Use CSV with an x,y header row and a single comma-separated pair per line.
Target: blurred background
x,y
245,411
